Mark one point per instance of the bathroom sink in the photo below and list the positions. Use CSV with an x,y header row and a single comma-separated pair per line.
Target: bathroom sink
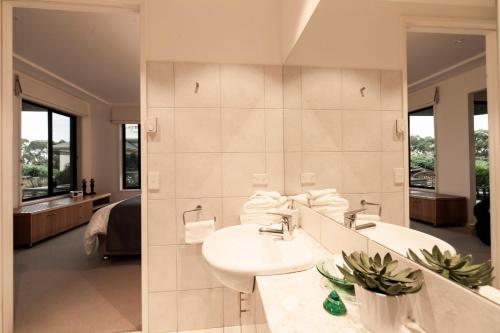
x,y
239,253
400,239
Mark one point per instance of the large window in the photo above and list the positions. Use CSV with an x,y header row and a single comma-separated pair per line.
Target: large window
x,y
131,155
48,151
481,149
422,148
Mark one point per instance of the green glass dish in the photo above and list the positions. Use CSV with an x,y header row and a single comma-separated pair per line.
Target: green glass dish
x,y
328,268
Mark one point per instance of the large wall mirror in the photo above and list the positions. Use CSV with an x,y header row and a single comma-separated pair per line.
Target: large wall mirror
x,y
346,130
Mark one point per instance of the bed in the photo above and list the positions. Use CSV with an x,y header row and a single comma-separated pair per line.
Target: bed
x,y
115,229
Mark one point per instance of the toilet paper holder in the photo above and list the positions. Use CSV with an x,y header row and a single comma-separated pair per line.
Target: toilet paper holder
x,y
196,209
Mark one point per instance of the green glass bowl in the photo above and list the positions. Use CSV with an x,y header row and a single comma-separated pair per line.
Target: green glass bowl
x,y
328,268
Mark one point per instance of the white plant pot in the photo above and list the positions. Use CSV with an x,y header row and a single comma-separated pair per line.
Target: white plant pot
x,y
381,313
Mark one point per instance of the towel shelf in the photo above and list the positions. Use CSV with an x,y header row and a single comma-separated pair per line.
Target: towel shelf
x,y
196,209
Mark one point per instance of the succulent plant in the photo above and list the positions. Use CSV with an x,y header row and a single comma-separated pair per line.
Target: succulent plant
x,y
379,275
458,268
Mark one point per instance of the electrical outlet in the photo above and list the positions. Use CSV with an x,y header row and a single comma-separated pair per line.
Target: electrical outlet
x,y
307,178
399,175
154,181
260,179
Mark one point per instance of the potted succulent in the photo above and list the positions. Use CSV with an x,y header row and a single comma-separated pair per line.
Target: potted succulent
x,y
380,291
458,268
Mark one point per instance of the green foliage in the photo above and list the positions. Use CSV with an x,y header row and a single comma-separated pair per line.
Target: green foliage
x,y
34,152
457,268
379,276
35,171
423,161
422,152
481,143
482,173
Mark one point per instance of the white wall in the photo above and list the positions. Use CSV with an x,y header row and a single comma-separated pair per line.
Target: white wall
x,y
214,31
453,130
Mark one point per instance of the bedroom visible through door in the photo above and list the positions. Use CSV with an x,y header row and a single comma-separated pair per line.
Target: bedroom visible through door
x,y
77,203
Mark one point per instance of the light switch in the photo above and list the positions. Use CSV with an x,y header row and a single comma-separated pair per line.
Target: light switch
x,y
400,126
399,175
152,125
260,179
307,178
154,181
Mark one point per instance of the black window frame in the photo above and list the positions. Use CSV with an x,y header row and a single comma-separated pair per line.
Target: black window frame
x,y
50,158
409,151
123,154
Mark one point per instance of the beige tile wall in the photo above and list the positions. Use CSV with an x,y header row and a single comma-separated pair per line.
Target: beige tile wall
x,y
208,145
346,138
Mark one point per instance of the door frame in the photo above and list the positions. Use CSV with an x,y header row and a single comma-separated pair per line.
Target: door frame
x,y
488,29
130,7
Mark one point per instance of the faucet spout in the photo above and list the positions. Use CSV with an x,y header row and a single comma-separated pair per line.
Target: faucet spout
x,y
286,231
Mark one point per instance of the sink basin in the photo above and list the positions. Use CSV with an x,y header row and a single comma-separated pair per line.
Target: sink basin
x,y
400,239
237,254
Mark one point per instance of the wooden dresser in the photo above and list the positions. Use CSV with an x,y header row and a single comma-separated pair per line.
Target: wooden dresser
x,y
35,222
438,209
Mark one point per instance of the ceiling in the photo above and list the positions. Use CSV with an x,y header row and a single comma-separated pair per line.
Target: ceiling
x,y
98,52
429,53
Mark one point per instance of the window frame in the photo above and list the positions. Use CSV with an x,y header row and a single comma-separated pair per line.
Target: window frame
x,y
50,158
433,189
124,187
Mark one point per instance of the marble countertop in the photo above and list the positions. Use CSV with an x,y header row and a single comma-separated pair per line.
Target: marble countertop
x,y
294,302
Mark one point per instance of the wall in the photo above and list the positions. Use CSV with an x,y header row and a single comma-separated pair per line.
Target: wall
x,y
214,31
208,146
348,141
452,127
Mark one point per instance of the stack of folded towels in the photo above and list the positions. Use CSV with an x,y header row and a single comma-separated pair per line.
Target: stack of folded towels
x,y
327,202
260,204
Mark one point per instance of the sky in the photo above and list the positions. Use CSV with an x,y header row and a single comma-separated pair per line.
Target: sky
x,y
34,126
424,125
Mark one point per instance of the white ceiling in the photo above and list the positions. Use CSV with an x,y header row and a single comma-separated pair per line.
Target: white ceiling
x,y
429,53
95,51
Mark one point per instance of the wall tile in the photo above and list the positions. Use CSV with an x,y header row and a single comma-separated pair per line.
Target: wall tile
x,y
192,269
237,171
212,207
231,308
337,238
310,221
243,130
198,130
163,140
391,141
391,160
162,268
293,169
292,131
353,80
242,86
391,90
355,201
273,87
161,222
200,309
208,92
292,87
321,88
165,165
198,175
361,130
326,166
361,172
392,208
275,171
160,84
231,210
274,130
163,312
322,130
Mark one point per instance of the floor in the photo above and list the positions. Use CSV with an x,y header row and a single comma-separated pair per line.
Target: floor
x,y
463,239
57,288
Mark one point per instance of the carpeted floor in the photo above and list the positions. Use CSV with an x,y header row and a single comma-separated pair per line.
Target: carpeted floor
x,y
462,239
58,288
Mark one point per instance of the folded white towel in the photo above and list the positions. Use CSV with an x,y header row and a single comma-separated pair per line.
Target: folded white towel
x,y
300,198
271,194
314,194
197,232
262,219
330,200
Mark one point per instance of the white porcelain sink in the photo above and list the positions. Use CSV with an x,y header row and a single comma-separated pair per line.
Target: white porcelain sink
x,y
237,254
400,239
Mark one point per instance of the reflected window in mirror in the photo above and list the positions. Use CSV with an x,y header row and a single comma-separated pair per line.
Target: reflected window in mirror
x,y
422,153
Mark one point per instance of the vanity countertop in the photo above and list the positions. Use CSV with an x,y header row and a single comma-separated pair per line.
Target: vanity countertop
x,y
294,302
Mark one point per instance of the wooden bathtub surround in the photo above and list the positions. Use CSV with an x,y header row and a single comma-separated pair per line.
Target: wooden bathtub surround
x,y
438,209
35,222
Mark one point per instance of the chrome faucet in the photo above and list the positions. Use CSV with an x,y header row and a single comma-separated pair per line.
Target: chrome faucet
x,y
350,217
287,227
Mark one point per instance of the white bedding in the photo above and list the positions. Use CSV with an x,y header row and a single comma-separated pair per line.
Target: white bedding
x,y
98,225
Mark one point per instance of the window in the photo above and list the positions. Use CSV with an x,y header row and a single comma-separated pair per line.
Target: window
x,y
131,156
422,148
481,157
48,151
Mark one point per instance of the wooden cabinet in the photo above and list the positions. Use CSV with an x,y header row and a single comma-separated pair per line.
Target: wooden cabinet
x,y
438,209
33,223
